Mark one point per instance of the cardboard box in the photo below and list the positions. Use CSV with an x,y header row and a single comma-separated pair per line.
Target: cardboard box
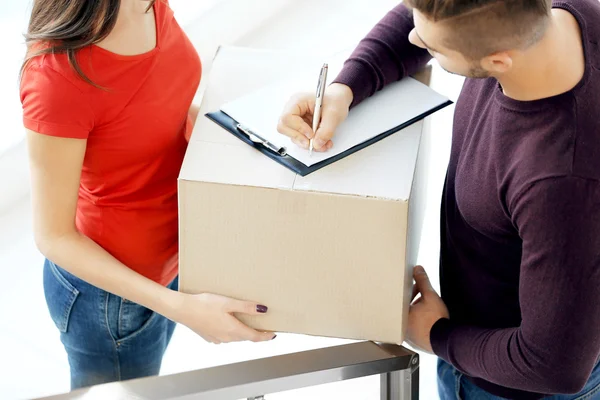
x,y
330,254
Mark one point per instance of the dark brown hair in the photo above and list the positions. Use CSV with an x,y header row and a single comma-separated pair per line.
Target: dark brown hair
x,y
482,27
66,26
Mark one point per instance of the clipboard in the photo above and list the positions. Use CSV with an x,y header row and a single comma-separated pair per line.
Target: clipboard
x,y
280,154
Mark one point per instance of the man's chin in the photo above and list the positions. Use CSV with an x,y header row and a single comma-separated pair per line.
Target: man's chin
x,y
474,73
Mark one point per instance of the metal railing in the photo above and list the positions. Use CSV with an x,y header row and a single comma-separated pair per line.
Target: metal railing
x,y
397,366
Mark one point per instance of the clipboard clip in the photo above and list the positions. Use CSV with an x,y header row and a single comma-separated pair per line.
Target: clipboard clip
x,y
259,140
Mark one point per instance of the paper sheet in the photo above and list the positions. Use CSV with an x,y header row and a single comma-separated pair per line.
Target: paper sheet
x,y
396,104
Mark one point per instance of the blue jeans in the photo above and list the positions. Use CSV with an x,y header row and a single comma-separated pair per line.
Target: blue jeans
x,y
452,385
107,338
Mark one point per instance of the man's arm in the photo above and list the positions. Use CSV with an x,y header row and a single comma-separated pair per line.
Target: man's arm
x,y
558,342
385,55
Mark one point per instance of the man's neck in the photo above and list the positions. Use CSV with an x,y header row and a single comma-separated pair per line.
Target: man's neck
x,y
551,67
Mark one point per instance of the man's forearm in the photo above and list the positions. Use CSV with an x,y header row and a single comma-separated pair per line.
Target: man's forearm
x,y
385,55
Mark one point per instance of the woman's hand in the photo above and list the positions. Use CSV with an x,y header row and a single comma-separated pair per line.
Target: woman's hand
x,y
212,317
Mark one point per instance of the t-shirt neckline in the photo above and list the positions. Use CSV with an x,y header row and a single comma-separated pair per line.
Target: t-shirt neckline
x,y
140,56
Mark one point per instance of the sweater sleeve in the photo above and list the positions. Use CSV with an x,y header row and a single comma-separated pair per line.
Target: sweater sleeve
x,y
557,343
385,55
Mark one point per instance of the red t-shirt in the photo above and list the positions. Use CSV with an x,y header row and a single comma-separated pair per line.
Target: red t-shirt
x,y
136,134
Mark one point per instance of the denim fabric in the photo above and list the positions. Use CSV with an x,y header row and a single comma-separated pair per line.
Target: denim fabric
x,y
107,338
452,385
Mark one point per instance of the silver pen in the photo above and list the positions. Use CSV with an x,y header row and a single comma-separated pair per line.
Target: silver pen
x,y
318,103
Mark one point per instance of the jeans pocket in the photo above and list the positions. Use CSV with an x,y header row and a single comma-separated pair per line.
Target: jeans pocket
x,y
60,295
133,319
448,381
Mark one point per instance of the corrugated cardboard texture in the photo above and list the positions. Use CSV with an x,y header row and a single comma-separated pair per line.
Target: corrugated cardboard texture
x,y
326,265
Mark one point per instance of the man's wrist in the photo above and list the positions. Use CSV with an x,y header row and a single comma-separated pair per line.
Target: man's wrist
x,y
439,335
341,91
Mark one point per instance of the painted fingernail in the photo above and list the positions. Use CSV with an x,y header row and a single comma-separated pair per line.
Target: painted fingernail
x,y
274,336
261,309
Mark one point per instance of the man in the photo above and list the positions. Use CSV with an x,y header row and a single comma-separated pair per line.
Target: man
x,y
520,251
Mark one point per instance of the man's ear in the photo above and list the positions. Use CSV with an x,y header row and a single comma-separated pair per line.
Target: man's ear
x,y
497,63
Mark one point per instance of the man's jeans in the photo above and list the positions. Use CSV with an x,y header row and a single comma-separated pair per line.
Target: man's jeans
x,y
452,385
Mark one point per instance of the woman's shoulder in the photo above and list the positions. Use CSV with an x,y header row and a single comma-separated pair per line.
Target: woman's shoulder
x,y
54,98
54,68
163,6
163,11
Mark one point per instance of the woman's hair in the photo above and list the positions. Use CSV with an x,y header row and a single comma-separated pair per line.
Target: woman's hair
x,y
65,26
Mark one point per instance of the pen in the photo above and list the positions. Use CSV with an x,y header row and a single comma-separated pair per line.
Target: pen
x,y
318,103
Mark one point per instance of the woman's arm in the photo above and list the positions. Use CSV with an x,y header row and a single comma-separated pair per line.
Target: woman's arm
x,y
55,165
193,113
191,120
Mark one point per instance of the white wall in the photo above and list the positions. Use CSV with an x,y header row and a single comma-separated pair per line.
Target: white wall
x,y
14,176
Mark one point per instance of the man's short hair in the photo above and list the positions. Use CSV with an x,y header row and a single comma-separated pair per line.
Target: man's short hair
x,y
483,27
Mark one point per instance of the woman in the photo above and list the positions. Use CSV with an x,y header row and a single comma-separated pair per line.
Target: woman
x,y
107,89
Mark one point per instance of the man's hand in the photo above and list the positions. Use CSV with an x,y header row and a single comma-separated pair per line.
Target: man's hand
x,y
296,119
424,312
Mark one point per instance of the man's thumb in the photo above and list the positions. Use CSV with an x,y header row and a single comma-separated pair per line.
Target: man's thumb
x,y
422,280
325,131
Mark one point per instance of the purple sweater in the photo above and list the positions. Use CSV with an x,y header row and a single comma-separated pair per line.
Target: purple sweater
x,y
520,229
